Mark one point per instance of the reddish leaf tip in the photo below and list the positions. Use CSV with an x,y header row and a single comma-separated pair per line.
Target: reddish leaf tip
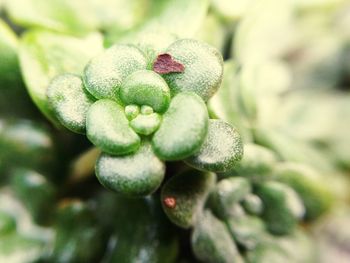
x,y
170,202
165,64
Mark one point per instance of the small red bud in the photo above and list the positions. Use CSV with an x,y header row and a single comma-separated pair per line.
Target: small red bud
x,y
170,202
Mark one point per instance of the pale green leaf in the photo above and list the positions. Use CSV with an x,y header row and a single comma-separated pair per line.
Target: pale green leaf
x,y
44,55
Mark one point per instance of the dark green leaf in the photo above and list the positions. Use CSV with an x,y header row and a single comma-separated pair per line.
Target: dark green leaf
x,y
282,207
108,128
136,174
184,195
183,129
211,241
310,186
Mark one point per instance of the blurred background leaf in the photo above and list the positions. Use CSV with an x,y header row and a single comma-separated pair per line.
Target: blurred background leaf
x,y
44,54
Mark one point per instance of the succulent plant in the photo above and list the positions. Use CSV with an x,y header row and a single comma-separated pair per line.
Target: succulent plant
x,y
167,94
140,117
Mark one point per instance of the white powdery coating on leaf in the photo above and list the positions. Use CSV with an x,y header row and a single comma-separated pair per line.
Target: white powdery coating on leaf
x,y
140,173
203,68
69,101
104,74
221,150
211,240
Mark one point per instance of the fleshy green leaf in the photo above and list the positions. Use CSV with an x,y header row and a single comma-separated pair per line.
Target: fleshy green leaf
x,y
132,111
145,87
104,74
183,129
282,207
44,55
203,68
309,185
211,241
137,174
221,150
227,193
69,101
184,195
253,204
108,128
146,124
248,231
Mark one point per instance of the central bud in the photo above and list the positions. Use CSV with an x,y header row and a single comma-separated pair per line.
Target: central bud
x,y
147,97
143,120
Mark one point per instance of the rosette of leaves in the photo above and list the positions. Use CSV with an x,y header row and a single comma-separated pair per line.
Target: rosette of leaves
x,y
141,113
252,213
233,220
